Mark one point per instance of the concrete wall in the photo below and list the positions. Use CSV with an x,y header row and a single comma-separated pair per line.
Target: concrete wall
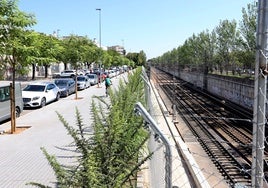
x,y
193,77
237,90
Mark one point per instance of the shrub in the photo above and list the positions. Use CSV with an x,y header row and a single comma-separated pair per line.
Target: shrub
x,y
113,155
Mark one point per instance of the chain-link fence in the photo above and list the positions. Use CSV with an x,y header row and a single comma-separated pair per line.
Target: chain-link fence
x,y
166,168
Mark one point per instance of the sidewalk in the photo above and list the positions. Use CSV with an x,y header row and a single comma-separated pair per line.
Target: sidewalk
x,y
21,159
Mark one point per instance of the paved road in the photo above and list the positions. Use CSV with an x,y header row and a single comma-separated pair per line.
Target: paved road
x,y
21,159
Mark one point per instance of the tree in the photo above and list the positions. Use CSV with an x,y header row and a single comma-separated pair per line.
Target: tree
x,y
46,48
248,27
141,58
132,56
48,51
75,53
91,53
108,59
227,40
206,44
185,53
14,40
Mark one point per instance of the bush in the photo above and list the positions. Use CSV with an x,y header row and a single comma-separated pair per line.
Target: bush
x,y
113,155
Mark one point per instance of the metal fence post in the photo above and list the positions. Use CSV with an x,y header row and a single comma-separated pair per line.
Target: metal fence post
x,y
259,111
140,110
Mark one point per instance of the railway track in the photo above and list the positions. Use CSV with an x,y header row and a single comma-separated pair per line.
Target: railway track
x,y
221,129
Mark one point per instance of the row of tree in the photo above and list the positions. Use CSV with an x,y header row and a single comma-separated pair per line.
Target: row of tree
x,y
229,47
21,47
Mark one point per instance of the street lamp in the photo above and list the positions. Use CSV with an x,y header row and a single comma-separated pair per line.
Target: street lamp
x,y
98,9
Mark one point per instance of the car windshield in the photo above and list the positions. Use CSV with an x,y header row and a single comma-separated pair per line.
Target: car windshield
x,y
37,88
80,78
61,82
91,76
97,73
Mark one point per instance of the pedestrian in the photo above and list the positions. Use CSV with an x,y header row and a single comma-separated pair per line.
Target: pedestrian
x,y
108,83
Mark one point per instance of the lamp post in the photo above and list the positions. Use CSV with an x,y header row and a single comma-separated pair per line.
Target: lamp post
x,y
98,9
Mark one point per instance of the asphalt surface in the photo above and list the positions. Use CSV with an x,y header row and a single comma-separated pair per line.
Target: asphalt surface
x,y
21,159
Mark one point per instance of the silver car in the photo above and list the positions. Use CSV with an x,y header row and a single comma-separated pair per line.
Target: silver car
x,y
5,112
66,86
82,82
93,79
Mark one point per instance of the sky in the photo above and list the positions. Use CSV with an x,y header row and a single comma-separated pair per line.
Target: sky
x,y
154,26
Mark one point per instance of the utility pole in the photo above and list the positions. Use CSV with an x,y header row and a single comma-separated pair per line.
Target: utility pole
x,y
259,110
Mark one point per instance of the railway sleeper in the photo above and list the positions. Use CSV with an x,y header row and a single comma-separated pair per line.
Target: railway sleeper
x,y
226,159
239,177
241,182
230,165
223,158
232,170
229,169
242,178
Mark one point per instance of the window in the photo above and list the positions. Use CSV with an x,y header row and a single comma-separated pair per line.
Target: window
x,y
50,86
4,94
37,88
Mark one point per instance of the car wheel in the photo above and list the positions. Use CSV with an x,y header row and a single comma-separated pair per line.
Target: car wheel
x,y
67,93
17,112
43,102
58,96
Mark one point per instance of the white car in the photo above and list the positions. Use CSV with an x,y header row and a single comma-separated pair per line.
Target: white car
x,y
68,74
38,94
111,73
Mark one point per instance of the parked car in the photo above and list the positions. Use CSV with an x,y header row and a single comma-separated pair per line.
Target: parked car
x,y
93,79
68,74
38,94
82,82
111,73
66,86
56,75
5,111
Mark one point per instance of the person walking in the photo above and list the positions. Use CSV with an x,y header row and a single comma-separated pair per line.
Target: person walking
x,y
108,83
